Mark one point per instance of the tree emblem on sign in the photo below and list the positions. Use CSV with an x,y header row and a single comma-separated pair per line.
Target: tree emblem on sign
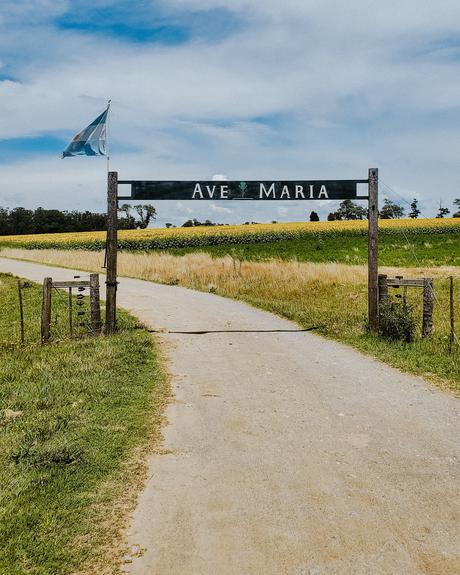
x,y
243,188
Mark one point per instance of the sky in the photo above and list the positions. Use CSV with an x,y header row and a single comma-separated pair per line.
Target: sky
x,y
252,89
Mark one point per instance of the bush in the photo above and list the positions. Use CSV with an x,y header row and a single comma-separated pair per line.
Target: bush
x,y
397,321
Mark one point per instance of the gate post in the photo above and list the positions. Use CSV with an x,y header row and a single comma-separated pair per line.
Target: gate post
x,y
95,305
46,310
428,303
372,262
111,253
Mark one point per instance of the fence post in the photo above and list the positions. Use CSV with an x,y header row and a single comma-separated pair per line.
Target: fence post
x,y
21,311
372,262
383,288
111,254
46,310
428,303
95,306
452,316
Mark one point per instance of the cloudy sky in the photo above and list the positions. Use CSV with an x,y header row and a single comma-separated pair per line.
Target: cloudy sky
x,y
253,89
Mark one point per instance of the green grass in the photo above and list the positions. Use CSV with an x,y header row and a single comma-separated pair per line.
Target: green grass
x,y
71,460
430,249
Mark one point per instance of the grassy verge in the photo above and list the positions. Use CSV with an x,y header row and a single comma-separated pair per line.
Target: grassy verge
x,y
329,297
430,250
76,418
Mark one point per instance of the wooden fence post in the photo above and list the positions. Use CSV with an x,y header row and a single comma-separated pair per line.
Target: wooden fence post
x,y
95,306
46,310
372,262
21,311
428,303
70,312
383,288
452,316
111,251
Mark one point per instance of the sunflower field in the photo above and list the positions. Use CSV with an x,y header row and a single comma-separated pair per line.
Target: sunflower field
x,y
201,236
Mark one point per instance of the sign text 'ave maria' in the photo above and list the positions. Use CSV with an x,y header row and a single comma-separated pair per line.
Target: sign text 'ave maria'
x,y
248,190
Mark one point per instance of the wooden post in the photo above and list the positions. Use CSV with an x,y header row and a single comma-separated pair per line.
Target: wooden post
x,y
428,302
372,262
111,250
46,310
452,316
21,311
95,305
70,312
383,288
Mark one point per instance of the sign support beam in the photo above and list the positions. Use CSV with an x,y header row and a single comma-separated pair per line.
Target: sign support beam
x,y
111,254
373,266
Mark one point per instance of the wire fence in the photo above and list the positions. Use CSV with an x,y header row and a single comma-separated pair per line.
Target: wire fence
x,y
70,316
444,295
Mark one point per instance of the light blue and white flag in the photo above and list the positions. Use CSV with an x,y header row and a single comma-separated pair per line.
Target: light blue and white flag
x,y
92,140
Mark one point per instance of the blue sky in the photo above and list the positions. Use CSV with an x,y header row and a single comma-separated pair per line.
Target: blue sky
x,y
247,88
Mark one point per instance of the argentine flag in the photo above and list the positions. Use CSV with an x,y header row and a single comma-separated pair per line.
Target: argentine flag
x,y
91,141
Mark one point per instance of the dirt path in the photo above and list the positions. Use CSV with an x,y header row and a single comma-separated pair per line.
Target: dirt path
x,y
286,453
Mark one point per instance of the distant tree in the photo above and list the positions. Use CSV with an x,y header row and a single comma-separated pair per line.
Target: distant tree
x,y
391,210
457,205
331,217
127,222
168,225
348,210
188,224
442,211
415,212
22,221
5,228
314,217
146,213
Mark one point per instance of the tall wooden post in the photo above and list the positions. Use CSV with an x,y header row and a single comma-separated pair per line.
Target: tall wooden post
x,y
46,310
373,265
111,251
95,305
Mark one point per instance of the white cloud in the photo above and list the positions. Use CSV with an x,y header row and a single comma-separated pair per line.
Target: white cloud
x,y
303,89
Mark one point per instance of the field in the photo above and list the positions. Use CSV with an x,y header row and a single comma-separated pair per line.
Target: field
x,y
329,297
76,417
435,241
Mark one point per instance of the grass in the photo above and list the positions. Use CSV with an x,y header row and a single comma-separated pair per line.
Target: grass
x,y
431,250
330,297
76,419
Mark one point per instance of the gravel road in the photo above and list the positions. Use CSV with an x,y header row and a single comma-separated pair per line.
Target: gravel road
x,y
286,453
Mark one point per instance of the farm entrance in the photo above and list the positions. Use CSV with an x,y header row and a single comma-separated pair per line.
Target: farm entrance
x,y
255,190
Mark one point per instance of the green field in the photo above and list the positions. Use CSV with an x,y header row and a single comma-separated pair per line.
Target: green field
x,y
426,249
75,419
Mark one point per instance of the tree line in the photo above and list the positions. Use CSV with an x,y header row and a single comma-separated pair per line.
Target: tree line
x,y
40,221
349,210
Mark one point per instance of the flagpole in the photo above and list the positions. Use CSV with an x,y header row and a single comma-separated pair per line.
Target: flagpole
x,y
107,150
107,137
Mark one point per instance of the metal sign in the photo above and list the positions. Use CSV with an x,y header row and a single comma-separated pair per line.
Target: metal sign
x,y
240,190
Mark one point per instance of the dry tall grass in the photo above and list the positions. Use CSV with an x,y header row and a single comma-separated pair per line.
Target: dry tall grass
x,y
200,270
